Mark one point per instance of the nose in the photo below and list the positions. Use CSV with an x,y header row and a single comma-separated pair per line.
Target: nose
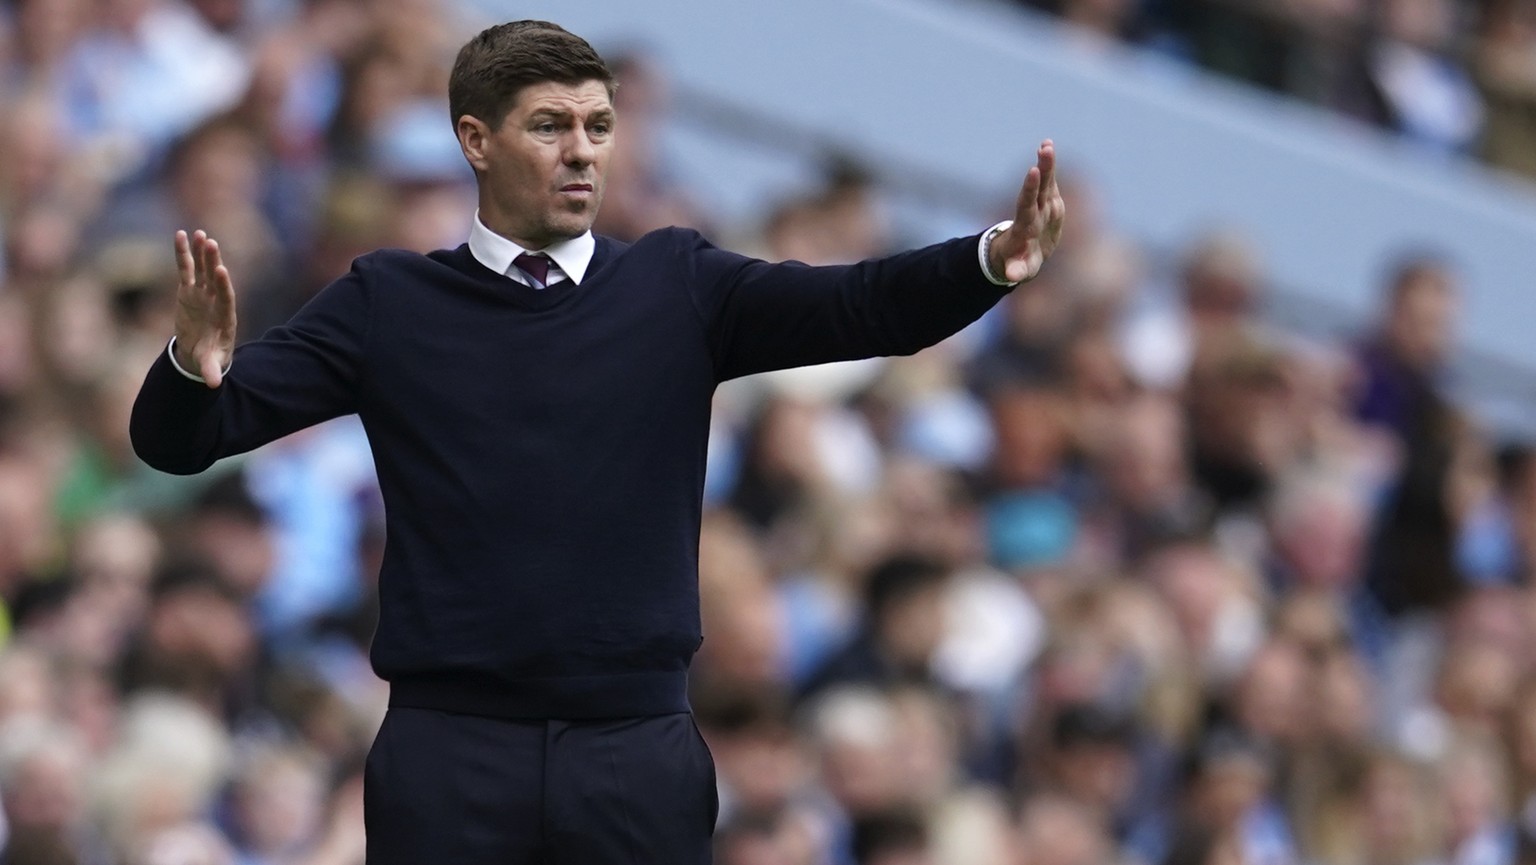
x,y
579,150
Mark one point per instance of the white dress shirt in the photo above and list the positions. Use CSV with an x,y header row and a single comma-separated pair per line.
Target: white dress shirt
x,y
568,259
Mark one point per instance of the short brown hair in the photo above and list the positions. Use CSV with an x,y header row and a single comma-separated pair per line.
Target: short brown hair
x,y
495,66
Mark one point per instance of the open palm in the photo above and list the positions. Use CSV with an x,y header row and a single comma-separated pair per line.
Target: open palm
x,y
1018,252
205,308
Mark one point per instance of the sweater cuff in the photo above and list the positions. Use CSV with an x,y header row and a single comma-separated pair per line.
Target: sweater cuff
x,y
982,247
170,351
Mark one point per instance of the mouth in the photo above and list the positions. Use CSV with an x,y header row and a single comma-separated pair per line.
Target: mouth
x,y
577,187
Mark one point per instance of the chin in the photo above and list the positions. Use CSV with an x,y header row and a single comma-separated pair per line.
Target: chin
x,y
568,228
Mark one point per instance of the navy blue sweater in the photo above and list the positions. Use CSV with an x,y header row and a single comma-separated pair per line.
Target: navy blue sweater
x,y
541,453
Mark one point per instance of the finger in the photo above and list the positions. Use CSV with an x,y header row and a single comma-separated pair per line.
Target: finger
x,y
1019,269
210,261
199,243
212,372
220,286
223,283
1028,197
1046,161
224,296
186,268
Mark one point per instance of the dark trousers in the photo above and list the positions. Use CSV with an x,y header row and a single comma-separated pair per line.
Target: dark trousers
x,y
467,790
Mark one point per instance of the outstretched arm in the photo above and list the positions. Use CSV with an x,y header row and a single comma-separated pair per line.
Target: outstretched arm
x,y
761,316
299,374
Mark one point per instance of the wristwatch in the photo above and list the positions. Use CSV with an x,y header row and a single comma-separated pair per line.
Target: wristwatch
x,y
984,251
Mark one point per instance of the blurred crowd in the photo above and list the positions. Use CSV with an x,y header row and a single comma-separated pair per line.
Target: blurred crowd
x,y
1121,575
1455,76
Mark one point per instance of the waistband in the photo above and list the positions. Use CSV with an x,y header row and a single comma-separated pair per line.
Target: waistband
x,y
607,695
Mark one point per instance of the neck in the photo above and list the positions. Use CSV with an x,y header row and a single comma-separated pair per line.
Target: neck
x,y
530,243
508,228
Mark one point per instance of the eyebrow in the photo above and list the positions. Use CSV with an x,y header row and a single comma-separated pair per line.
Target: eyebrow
x,y
607,114
556,113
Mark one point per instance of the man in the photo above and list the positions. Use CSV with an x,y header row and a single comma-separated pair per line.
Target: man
x,y
1401,367
538,403
904,607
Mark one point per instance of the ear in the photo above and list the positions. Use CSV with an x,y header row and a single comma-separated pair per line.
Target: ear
x,y
474,136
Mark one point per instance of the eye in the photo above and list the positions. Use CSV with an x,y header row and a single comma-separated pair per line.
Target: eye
x,y
601,129
546,128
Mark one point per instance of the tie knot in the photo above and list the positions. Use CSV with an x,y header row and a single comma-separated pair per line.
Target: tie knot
x,y
535,265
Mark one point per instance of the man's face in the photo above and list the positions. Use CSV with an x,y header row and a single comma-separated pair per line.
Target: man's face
x,y
1423,320
542,171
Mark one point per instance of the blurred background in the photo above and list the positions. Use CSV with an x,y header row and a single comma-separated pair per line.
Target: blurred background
x,y
1212,546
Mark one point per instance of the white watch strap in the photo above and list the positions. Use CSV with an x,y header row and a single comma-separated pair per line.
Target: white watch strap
x,y
984,248
170,350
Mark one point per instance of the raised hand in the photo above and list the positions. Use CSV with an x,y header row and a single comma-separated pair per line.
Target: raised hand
x,y
205,308
1017,253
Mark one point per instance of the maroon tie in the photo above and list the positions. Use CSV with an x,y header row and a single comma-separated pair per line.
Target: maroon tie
x,y
536,266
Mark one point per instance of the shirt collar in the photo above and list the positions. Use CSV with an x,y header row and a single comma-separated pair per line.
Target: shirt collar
x,y
497,253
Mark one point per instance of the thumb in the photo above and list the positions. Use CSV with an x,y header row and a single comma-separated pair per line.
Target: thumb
x,y
1024,263
212,368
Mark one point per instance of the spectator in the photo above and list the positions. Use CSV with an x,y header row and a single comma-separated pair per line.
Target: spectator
x,y
1057,830
902,629
1506,72
197,642
764,766
1517,482
741,615
1220,282
854,729
1214,604
1424,90
1402,365
231,532
895,838
143,73
767,838
1414,563
1092,759
43,777
1479,830
1244,430
1149,494
279,797
161,775
1319,525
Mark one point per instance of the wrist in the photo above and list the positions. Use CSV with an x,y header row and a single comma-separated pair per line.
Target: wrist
x,y
181,352
994,265
187,363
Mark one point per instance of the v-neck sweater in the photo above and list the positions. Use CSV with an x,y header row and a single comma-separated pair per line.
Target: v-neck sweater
x,y
541,452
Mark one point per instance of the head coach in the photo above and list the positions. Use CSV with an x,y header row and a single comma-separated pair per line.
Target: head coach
x,y
538,401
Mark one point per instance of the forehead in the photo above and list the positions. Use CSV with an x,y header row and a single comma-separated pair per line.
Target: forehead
x,y
587,97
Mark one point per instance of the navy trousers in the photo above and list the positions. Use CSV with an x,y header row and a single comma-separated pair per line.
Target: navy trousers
x,y
463,789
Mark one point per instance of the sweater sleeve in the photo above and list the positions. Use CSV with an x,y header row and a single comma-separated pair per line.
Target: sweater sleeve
x,y
762,316
294,376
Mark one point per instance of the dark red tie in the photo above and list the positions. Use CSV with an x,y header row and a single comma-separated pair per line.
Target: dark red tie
x,y
536,266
